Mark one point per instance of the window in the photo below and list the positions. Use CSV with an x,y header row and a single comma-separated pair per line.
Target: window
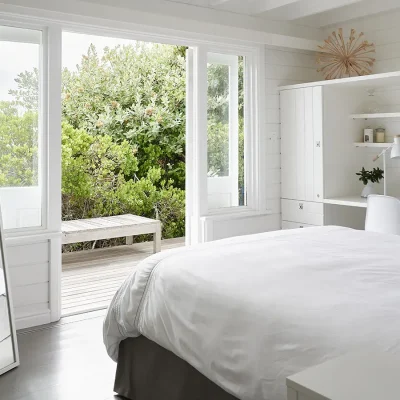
x,y
225,131
20,127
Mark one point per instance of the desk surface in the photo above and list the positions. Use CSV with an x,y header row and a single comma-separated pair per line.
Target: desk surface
x,y
352,201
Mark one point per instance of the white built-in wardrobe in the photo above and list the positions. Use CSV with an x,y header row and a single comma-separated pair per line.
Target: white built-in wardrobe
x,y
301,155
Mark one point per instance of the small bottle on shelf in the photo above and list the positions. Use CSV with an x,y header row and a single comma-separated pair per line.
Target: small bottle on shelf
x,y
380,135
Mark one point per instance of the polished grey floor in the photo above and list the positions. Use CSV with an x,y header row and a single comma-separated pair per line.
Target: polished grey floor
x,y
63,361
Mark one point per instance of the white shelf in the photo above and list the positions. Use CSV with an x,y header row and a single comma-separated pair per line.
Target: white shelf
x,y
377,115
351,201
387,79
362,144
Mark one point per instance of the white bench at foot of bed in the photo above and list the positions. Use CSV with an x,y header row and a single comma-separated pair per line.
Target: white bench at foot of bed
x,y
127,225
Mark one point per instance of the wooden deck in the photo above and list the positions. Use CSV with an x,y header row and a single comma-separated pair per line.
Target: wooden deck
x,y
90,278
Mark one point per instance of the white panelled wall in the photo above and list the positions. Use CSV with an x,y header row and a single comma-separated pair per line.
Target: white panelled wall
x,y
384,31
283,67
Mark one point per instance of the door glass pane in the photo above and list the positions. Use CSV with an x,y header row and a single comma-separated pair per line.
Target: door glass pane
x,y
218,120
20,174
225,131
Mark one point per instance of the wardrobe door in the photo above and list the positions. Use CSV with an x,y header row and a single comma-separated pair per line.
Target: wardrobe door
x,y
300,141
318,176
309,145
288,144
301,144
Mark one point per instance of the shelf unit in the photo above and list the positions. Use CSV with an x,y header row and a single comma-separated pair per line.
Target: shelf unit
x,y
342,128
375,116
372,145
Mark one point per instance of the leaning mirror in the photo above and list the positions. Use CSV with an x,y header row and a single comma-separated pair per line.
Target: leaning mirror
x,y
8,339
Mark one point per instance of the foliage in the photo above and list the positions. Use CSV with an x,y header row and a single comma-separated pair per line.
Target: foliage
x,y
18,146
27,93
370,176
96,182
134,93
218,122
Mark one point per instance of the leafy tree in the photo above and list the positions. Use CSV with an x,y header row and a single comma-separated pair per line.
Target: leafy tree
x,y
27,93
18,146
96,182
134,93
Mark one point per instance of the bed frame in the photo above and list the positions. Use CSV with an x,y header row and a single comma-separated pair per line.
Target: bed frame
x,y
147,371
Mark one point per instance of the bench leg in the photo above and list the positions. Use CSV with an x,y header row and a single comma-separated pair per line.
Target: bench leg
x,y
157,240
129,240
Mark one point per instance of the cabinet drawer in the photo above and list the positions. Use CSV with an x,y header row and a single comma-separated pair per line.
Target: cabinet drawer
x,y
295,225
306,212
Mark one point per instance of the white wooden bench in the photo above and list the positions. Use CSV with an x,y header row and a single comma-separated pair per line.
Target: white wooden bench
x,y
128,225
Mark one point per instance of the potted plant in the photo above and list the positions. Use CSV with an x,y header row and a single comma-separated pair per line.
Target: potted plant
x,y
368,178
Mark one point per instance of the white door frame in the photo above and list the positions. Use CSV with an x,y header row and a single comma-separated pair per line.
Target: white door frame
x,y
199,215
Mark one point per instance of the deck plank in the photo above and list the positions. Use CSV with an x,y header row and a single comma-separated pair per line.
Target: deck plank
x,y
90,278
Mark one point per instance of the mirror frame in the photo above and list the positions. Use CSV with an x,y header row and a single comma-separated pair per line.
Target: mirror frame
x,y
9,301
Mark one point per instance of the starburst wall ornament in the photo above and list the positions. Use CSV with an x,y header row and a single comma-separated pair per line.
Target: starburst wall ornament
x,y
340,59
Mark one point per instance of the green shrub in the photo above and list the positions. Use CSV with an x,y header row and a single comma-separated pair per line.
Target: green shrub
x,y
18,146
97,182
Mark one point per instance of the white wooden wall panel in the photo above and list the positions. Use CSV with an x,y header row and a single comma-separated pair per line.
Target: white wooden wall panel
x,y
29,274
30,294
34,253
288,143
36,313
30,261
287,72
244,226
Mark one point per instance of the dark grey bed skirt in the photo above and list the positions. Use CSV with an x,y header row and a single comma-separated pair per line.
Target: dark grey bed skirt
x,y
147,371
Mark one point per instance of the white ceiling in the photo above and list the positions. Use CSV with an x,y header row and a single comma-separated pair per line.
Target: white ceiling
x,y
316,13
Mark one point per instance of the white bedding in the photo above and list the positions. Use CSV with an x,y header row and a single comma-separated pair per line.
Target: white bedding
x,y
249,311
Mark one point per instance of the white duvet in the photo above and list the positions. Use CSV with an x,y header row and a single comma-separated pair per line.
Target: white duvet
x,y
249,311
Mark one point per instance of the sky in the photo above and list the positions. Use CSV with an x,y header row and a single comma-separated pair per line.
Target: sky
x,y
19,57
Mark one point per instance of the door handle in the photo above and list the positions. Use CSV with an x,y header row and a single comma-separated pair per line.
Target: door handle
x,y
301,206
318,144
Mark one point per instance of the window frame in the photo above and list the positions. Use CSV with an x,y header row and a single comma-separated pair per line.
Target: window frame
x,y
49,119
253,121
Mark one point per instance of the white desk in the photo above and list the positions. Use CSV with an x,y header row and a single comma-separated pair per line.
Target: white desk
x,y
370,375
351,201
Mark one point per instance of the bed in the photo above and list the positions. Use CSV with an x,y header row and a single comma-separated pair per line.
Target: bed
x,y
237,316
